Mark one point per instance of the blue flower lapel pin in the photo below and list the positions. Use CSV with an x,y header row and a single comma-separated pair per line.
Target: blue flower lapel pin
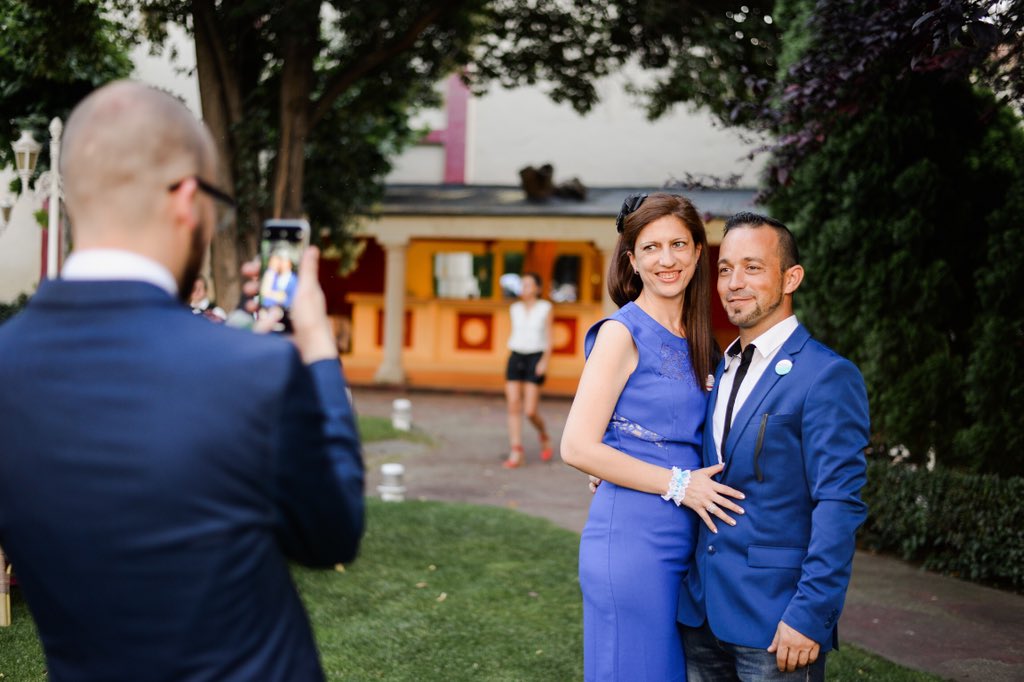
x,y
783,367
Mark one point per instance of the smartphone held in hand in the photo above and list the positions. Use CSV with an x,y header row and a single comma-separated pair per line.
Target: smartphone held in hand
x,y
281,246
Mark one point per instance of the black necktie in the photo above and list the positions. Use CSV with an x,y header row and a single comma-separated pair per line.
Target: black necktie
x,y
748,355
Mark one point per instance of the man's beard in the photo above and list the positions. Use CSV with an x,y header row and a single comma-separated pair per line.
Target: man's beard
x,y
755,315
196,253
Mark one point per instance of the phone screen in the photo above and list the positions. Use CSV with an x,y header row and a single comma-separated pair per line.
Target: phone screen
x,y
281,247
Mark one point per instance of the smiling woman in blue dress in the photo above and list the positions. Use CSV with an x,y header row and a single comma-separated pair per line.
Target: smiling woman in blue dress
x,y
636,423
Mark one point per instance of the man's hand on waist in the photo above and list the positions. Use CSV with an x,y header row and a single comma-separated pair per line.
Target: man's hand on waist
x,y
792,649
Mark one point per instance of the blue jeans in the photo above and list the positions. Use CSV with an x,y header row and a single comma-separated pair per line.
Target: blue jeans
x,y
709,659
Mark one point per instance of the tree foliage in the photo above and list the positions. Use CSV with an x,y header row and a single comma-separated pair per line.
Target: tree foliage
x,y
903,187
709,53
310,100
52,54
838,52
9,310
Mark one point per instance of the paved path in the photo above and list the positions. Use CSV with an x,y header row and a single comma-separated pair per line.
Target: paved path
x,y
949,627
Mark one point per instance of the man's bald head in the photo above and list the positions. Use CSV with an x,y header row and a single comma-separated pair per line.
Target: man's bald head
x,y
123,146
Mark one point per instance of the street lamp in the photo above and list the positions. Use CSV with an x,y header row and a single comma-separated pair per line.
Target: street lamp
x,y
26,153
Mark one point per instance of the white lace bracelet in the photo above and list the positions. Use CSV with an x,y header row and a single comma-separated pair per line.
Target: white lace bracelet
x,y
677,486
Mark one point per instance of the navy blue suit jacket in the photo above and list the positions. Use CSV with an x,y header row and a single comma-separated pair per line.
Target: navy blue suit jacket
x,y
157,471
796,450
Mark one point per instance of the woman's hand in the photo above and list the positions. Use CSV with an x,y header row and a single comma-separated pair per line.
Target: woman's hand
x,y
706,496
703,495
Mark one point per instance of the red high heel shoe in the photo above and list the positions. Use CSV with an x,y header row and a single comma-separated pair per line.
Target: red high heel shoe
x,y
514,461
546,452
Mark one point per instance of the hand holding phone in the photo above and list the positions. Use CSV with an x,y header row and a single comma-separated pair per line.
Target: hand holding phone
x,y
312,331
290,287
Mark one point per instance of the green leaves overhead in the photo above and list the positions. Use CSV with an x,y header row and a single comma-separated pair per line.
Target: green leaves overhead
x,y
51,55
908,222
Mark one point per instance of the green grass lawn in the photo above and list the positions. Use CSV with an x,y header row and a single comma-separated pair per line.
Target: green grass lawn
x,y
446,592
379,428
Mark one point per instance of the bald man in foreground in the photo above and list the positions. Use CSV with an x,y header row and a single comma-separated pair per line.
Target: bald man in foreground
x,y
157,471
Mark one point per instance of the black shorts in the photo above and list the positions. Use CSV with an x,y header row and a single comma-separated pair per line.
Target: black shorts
x,y
523,367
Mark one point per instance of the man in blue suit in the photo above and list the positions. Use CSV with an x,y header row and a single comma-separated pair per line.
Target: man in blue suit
x,y
157,471
788,418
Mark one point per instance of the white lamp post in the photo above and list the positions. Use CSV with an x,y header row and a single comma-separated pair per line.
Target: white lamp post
x,y
53,227
26,153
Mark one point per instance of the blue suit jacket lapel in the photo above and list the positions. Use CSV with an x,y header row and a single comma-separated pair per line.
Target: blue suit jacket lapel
x,y
765,384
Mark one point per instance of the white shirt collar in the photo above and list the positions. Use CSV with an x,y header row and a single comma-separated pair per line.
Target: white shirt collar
x,y
770,340
118,265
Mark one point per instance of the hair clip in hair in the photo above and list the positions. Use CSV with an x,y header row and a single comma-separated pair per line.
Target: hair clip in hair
x,y
631,204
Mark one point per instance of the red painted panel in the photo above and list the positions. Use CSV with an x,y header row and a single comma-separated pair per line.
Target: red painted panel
x,y
367,278
571,324
42,255
457,104
474,331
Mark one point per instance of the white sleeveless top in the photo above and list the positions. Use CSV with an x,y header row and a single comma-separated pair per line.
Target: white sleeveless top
x,y
528,327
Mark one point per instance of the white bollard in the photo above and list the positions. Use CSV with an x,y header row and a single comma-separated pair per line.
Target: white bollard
x,y
401,414
391,479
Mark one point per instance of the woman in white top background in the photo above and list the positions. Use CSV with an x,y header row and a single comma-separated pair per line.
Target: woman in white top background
x,y
530,343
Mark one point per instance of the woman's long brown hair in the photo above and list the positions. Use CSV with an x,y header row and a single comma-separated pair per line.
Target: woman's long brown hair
x,y
625,285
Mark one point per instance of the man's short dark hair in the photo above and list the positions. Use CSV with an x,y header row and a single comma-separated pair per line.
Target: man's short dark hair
x,y
788,252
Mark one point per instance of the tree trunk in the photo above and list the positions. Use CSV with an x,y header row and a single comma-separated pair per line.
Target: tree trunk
x,y
220,94
299,51
220,88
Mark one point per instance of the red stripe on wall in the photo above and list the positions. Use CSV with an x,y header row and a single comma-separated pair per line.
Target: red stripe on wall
x,y
457,105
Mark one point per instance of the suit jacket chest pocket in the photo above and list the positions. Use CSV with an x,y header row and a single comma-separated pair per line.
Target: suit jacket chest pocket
x,y
777,453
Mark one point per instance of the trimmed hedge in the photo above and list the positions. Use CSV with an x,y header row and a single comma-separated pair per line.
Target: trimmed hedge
x,y
965,525
9,310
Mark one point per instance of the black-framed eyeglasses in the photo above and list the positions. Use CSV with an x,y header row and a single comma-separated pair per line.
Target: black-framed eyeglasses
x,y
631,203
226,205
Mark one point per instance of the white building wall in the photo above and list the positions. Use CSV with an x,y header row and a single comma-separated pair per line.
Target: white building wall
x,y
176,76
20,244
613,145
422,164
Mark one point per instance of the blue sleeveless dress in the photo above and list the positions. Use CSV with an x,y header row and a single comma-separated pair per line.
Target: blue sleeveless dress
x,y
636,548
